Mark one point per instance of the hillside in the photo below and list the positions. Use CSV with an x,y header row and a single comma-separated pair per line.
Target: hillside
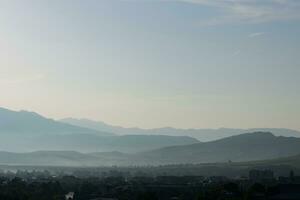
x,y
260,148
94,143
245,147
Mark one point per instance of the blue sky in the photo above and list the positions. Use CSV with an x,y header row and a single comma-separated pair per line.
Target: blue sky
x,y
151,63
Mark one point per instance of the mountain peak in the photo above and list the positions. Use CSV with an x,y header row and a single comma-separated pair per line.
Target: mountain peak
x,y
258,134
247,137
33,123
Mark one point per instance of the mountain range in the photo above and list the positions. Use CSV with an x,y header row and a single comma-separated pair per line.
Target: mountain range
x,y
242,148
43,141
24,122
245,147
203,135
25,131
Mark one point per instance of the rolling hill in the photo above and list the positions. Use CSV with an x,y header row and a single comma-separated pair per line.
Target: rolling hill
x,y
246,149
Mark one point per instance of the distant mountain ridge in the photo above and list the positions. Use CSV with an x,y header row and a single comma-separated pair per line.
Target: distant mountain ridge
x,y
94,143
245,147
203,135
33,123
25,131
61,143
249,147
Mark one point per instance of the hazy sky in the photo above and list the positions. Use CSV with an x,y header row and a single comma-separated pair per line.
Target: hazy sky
x,y
153,63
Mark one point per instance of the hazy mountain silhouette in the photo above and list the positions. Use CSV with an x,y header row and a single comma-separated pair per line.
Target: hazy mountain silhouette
x,y
201,134
245,147
241,148
65,158
27,131
94,143
13,122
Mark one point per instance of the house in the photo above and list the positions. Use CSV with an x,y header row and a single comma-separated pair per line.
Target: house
x,y
261,175
69,196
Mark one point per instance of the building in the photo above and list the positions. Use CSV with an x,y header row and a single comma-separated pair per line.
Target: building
x,y
69,196
261,175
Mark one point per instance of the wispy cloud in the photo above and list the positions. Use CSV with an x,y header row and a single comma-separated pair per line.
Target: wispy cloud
x,y
12,80
251,11
257,34
236,53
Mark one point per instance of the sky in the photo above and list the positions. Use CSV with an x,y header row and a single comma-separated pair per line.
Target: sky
x,y
153,63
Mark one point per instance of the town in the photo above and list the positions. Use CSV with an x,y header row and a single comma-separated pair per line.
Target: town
x,y
260,184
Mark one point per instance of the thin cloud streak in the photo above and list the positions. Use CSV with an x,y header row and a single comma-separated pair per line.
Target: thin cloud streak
x,y
236,53
250,11
7,80
257,34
